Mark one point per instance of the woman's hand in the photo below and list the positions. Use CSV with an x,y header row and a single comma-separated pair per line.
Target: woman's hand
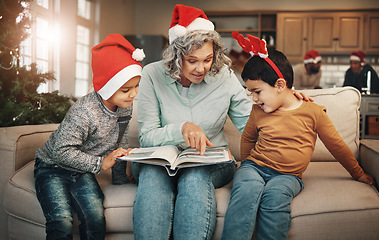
x,y
303,96
110,160
195,137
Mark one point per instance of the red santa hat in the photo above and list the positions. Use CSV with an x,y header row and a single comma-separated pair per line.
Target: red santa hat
x,y
186,19
358,56
114,62
312,56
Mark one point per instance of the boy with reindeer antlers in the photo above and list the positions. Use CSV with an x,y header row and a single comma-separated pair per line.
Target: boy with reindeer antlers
x,y
277,145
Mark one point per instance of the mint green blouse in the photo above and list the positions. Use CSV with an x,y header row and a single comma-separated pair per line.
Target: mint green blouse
x,y
162,110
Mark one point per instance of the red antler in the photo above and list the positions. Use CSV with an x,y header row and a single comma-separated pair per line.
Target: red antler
x,y
251,44
243,42
259,46
255,46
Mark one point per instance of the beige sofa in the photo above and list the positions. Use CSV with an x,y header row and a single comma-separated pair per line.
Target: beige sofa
x,y
332,205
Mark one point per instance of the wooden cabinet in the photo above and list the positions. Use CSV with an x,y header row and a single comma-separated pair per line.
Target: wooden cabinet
x,y
260,24
336,32
292,35
371,35
296,32
330,33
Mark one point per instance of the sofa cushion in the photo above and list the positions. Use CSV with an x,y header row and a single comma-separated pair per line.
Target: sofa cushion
x,y
342,106
331,200
340,206
21,202
17,147
118,203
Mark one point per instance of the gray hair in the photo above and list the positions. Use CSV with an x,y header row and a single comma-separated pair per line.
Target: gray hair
x,y
183,46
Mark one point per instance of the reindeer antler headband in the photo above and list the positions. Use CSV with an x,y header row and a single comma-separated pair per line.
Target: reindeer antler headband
x,y
255,46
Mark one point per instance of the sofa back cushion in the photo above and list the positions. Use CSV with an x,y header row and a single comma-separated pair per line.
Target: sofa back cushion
x,y
133,141
342,106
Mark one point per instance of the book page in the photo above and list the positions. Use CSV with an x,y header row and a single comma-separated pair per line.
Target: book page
x,y
168,153
193,156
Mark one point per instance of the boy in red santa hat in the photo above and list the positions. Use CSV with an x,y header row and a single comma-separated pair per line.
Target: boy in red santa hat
x,y
88,141
361,75
307,75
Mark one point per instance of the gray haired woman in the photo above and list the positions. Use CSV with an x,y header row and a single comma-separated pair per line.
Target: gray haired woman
x,y
184,100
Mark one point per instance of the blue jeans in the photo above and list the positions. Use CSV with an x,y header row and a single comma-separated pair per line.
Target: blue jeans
x,y
184,205
260,199
58,190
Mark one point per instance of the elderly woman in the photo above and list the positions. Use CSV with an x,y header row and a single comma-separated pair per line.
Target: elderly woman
x,y
184,100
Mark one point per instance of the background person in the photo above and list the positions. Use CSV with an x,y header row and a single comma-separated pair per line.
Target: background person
x,y
358,74
307,75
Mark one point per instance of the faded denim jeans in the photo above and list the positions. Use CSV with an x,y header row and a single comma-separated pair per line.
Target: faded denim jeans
x,y
260,199
184,205
58,191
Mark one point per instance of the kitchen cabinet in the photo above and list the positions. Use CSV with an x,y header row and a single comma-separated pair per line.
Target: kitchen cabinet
x,y
328,33
331,33
260,24
296,32
371,35
292,35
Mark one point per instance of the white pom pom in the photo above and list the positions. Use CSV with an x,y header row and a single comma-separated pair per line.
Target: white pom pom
x,y
180,31
138,54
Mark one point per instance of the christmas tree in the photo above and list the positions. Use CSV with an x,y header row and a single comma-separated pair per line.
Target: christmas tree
x,y
20,103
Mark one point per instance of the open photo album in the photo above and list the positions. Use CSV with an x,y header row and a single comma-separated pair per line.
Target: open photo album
x,y
173,159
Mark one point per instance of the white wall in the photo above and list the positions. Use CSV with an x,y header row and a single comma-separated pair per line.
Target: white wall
x,y
116,16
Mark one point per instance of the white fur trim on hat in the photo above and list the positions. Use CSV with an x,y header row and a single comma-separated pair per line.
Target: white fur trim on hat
x,y
119,80
197,24
355,58
311,60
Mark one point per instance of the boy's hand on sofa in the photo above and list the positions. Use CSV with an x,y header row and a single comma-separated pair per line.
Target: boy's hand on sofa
x,y
110,160
365,178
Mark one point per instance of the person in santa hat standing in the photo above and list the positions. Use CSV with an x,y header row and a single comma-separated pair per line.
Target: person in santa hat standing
x,y
307,75
88,141
361,75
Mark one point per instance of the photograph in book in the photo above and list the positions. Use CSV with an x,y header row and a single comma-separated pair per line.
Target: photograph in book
x,y
172,158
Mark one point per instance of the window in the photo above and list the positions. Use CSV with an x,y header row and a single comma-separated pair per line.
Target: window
x,y
38,47
83,47
48,18
82,60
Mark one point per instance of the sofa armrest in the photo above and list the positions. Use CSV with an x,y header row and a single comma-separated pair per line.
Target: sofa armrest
x,y
369,158
18,146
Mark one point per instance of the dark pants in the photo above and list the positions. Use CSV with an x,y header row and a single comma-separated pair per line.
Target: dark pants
x,y
58,191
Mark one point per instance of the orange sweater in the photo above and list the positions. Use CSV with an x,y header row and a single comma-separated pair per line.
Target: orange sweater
x,y
285,140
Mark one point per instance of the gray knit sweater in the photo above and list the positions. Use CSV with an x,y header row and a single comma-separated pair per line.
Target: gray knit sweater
x,y
87,134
